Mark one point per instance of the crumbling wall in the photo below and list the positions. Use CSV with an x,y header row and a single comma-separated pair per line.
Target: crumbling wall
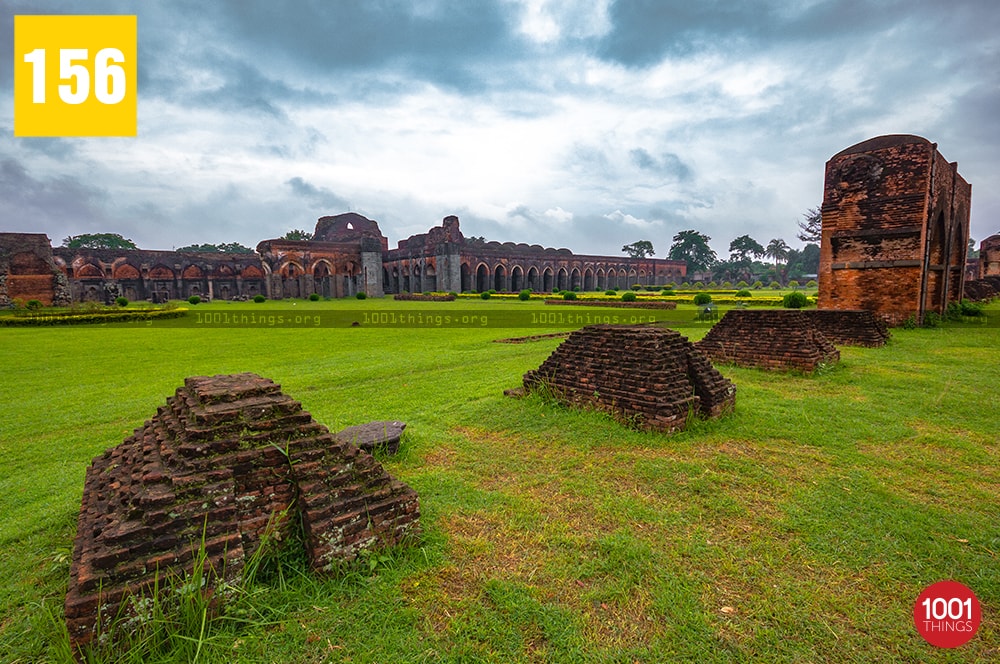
x,y
226,459
775,339
895,229
850,328
650,377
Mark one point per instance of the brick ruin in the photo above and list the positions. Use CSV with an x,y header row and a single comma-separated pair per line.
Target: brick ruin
x,y
347,255
989,257
225,461
895,229
649,377
774,339
28,271
850,328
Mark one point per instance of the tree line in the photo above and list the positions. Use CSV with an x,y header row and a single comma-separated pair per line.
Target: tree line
x,y
745,254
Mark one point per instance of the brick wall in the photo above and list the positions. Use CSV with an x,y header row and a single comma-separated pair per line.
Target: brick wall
x,y
775,339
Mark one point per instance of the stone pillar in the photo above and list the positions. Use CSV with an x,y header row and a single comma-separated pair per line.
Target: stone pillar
x,y
449,268
371,267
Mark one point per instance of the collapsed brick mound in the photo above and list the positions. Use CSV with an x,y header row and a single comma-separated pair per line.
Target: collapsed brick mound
x,y
650,377
775,339
850,327
983,289
227,458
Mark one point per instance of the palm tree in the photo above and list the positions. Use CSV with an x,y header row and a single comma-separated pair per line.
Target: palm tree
x,y
778,250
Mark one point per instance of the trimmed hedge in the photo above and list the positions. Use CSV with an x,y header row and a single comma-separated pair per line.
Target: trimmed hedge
x,y
89,317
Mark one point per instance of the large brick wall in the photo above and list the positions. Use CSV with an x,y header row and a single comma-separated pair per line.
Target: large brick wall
x,y
989,257
227,459
28,271
775,339
850,328
895,229
649,377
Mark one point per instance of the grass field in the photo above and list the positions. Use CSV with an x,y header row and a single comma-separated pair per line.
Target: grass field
x,y
801,528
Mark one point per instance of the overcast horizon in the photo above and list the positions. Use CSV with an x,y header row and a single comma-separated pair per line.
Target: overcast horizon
x,y
565,123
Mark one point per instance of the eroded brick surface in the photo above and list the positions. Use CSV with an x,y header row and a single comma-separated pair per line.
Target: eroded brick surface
x,y
775,339
850,328
226,458
647,376
895,229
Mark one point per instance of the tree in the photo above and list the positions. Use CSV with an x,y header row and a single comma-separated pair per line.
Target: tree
x,y
98,241
640,249
692,247
297,235
224,248
810,228
743,247
234,248
778,250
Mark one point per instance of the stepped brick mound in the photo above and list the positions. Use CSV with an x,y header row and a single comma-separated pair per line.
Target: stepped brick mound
x,y
647,376
775,339
850,328
227,459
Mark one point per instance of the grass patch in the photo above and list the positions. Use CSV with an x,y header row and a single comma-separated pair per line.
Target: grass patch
x,y
800,528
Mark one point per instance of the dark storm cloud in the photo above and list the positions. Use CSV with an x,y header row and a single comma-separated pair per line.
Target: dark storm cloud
x,y
669,164
438,41
29,203
319,197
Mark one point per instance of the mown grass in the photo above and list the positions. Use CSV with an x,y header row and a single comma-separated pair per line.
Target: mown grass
x,y
801,528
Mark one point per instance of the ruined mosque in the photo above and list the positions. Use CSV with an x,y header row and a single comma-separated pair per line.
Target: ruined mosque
x,y
895,232
347,254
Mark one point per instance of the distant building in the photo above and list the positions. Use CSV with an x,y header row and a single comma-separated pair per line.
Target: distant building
x,y
348,254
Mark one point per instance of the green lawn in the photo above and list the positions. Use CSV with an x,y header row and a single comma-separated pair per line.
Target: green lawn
x,y
801,528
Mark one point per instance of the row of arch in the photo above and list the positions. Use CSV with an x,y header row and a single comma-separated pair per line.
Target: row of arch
x,y
548,279
127,271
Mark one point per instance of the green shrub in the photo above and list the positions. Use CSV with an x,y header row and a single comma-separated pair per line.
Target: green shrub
x,y
743,292
611,292
685,285
194,299
121,301
712,284
426,292
672,285
259,298
492,291
774,285
33,305
758,284
698,285
485,295
811,284
361,295
628,296
452,293
525,294
569,295
637,287
727,284
931,319
794,300
314,297
742,284
793,284
667,291
970,308
702,298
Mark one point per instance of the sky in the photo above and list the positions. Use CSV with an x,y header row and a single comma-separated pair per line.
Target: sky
x,y
585,124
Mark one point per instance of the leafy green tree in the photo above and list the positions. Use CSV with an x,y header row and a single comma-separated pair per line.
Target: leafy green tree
x,y
297,235
98,241
692,247
234,248
810,228
224,248
743,247
639,249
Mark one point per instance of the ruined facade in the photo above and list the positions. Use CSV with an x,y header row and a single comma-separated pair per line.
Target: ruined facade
x,y
227,462
989,257
444,260
895,229
347,255
649,377
29,271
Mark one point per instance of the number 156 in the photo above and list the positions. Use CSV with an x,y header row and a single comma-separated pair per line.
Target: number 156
x,y
109,76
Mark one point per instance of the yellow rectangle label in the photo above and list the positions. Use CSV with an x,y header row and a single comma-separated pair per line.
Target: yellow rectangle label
x,y
75,75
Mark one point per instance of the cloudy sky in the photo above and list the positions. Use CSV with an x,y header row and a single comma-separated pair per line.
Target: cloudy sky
x,y
585,124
